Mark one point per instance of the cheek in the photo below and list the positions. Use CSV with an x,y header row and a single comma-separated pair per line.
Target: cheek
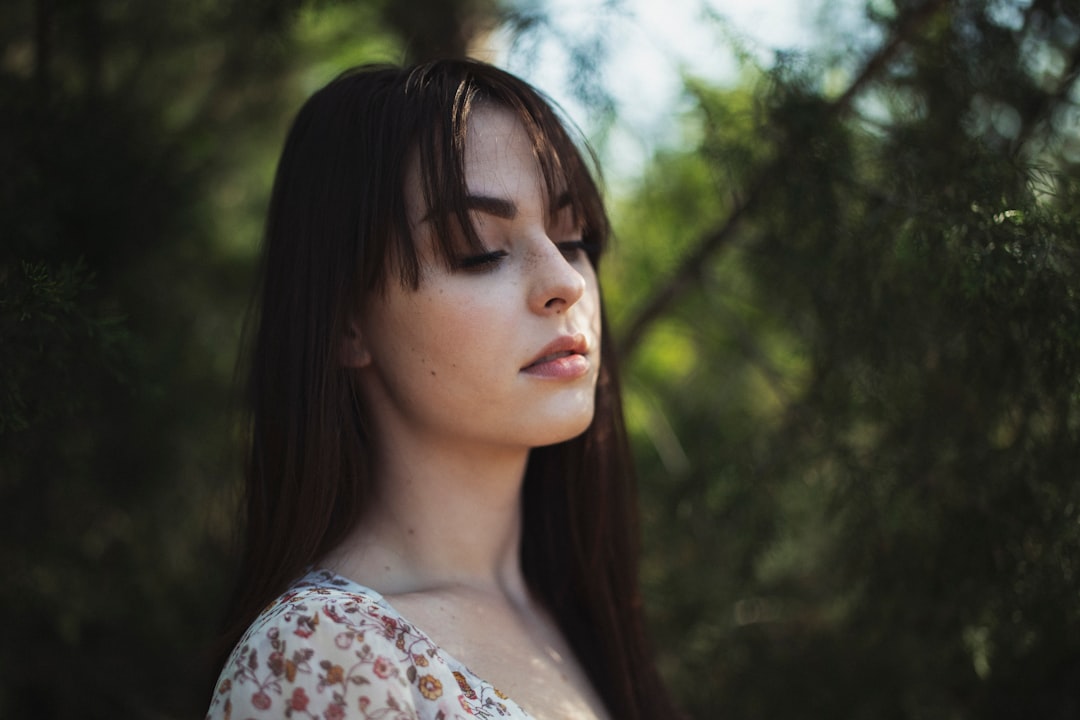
x,y
446,334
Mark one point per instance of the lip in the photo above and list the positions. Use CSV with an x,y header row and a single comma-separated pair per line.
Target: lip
x,y
566,356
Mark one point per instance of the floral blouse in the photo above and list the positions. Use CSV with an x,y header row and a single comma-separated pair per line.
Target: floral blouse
x,y
332,649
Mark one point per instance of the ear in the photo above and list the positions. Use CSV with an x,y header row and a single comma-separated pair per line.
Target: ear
x,y
354,351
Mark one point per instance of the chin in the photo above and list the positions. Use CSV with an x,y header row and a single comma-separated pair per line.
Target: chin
x,y
568,429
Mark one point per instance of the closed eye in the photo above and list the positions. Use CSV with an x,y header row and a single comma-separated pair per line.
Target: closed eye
x,y
572,249
481,262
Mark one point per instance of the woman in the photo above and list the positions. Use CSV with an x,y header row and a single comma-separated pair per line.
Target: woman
x,y
436,443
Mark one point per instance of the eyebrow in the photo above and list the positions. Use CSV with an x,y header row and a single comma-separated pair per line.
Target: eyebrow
x,y
507,209
499,207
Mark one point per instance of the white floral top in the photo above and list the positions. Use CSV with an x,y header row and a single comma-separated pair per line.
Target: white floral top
x,y
332,649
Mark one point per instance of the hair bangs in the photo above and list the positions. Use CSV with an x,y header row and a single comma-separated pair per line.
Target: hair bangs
x,y
443,96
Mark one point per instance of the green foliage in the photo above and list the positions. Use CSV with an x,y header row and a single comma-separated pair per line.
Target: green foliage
x,y
858,425
47,332
878,385
138,141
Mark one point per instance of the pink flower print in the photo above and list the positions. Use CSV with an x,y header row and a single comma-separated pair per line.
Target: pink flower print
x,y
299,700
260,701
382,667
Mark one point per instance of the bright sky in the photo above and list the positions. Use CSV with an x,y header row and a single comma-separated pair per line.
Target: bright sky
x,y
649,42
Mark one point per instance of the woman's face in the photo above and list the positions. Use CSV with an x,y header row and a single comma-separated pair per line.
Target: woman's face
x,y
504,349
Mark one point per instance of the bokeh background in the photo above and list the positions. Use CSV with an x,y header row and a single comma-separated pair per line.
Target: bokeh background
x,y
846,287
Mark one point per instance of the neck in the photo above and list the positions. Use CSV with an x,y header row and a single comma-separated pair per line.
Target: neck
x,y
443,518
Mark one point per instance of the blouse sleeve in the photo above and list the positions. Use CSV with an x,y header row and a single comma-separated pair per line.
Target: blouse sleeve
x,y
334,656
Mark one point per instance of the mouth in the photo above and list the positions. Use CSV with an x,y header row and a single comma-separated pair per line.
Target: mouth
x,y
556,353
550,358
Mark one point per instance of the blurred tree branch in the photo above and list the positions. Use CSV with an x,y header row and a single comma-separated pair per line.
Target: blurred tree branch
x,y
689,271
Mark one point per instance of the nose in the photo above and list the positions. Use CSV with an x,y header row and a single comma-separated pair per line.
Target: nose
x,y
556,284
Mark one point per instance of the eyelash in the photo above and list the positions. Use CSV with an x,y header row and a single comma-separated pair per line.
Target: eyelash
x,y
570,249
479,263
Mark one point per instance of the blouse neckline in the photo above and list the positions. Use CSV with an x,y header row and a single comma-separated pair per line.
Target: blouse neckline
x,y
328,579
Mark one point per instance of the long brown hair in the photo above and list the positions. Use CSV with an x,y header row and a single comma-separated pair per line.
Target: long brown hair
x,y
337,232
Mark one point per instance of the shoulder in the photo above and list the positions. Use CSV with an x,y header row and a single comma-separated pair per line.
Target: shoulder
x,y
335,652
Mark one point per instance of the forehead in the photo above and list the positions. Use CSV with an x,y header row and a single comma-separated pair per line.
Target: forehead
x,y
499,159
